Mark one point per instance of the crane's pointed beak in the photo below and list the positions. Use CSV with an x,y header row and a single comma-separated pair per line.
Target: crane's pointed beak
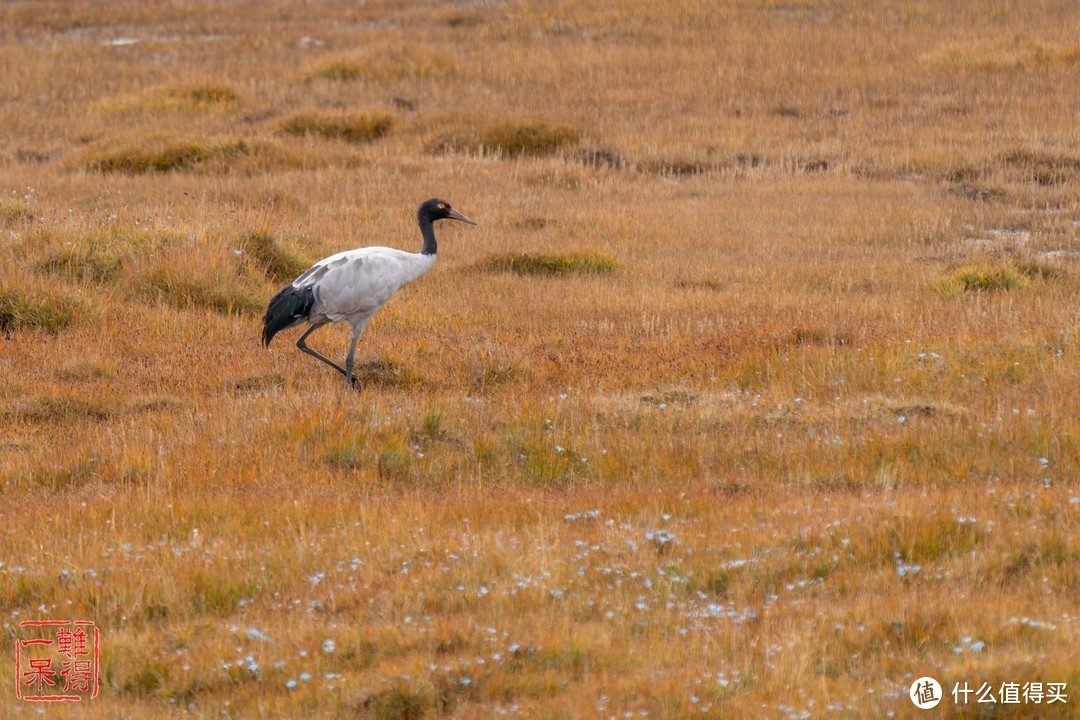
x,y
458,216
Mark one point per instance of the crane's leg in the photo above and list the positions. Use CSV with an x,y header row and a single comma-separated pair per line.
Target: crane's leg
x,y
303,346
358,330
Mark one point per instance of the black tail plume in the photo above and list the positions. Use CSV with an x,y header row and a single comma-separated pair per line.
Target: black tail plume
x,y
290,306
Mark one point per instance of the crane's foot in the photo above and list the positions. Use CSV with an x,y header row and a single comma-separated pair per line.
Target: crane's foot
x,y
353,381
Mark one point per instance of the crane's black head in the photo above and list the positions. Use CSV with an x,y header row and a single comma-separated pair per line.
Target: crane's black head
x,y
436,209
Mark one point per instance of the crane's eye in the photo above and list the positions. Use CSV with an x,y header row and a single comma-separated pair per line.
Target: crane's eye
x,y
442,206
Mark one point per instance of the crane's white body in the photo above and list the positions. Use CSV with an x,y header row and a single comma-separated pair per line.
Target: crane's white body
x,y
351,286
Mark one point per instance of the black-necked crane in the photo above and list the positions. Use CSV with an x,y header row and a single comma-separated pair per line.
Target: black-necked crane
x,y
352,285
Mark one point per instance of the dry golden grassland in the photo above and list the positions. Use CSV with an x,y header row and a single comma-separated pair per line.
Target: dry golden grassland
x,y
755,392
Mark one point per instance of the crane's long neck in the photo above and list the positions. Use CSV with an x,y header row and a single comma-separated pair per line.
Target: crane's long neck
x,y
427,229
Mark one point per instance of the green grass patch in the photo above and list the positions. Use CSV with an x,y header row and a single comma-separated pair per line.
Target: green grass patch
x,y
1036,271
195,155
85,370
532,139
170,157
981,279
681,166
350,127
1042,168
700,284
433,696
486,377
187,292
395,461
186,97
147,680
931,538
276,262
218,593
386,373
204,95
459,140
62,408
531,451
259,383
23,589
600,157
592,262
19,311
396,64
400,702
98,256
348,455
82,264
14,211
339,70
1039,555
